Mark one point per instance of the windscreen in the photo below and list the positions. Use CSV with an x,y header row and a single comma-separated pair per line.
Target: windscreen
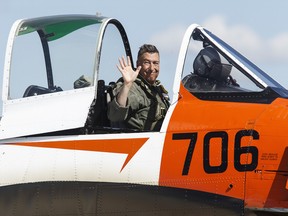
x,y
256,70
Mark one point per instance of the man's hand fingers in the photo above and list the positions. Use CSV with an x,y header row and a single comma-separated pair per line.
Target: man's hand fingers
x,y
122,62
128,61
138,69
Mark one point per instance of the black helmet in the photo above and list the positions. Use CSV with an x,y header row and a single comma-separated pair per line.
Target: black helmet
x,y
208,64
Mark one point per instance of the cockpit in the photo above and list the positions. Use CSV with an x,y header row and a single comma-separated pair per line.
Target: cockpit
x,y
212,70
57,68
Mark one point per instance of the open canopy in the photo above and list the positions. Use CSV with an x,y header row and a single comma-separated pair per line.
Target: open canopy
x,y
58,26
47,61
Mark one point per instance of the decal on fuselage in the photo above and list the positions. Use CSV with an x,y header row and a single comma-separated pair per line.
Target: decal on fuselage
x,y
223,135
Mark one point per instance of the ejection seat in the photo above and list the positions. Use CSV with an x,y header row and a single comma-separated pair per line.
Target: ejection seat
x,y
97,120
209,73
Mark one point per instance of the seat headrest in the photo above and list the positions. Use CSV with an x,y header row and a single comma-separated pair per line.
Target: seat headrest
x,y
208,64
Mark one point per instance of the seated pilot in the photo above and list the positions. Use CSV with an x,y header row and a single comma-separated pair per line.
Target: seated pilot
x,y
209,73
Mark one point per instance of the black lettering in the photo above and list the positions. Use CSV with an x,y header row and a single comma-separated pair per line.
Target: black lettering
x,y
224,153
238,151
193,138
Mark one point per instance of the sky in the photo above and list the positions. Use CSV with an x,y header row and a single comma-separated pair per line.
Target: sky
x,y
258,29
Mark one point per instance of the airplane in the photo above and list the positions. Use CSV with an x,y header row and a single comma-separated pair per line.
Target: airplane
x,y
221,150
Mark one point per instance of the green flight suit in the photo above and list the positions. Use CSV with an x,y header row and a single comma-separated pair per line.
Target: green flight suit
x,y
146,106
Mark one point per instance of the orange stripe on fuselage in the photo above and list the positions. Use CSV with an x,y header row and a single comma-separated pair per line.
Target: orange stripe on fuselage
x,y
123,146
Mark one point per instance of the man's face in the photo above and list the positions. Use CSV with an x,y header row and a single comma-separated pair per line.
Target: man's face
x,y
150,64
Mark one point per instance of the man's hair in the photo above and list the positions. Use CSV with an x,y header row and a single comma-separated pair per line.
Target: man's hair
x,y
147,48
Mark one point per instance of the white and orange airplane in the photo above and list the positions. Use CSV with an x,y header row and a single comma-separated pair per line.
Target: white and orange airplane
x,y
222,148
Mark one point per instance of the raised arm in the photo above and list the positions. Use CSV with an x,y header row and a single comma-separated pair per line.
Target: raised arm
x,y
129,76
